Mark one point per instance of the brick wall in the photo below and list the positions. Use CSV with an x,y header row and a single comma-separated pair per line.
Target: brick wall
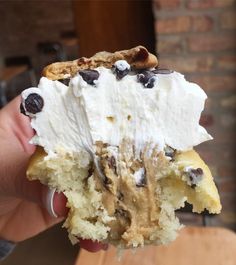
x,y
25,23
197,38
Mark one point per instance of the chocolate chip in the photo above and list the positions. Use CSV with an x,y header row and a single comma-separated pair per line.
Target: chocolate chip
x,y
147,78
121,68
120,74
121,213
90,173
112,163
170,152
89,76
22,110
144,76
120,196
65,81
198,171
107,181
162,71
34,103
195,176
142,181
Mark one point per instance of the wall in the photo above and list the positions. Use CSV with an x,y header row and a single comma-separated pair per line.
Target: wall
x,y
197,38
25,23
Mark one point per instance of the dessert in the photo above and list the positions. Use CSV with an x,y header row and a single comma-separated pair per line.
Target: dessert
x,y
116,134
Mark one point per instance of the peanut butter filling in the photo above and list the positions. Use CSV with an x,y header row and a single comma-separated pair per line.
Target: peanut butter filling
x,y
129,192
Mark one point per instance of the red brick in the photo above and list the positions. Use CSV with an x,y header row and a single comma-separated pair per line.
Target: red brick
x,y
228,217
228,20
228,120
224,137
228,185
173,45
216,82
211,43
173,25
227,62
21,19
188,65
228,202
166,4
229,102
227,154
202,4
202,23
227,172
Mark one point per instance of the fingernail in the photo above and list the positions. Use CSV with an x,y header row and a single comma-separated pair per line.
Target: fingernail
x,y
49,198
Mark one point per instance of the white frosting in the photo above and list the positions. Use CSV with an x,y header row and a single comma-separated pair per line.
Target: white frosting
x,y
77,116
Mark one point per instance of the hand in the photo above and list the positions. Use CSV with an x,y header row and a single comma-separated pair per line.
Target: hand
x,y
22,212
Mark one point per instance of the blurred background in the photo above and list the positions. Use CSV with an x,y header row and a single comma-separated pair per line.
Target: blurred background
x,y
195,37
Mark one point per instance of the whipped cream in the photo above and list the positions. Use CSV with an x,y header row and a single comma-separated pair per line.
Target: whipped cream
x,y
74,117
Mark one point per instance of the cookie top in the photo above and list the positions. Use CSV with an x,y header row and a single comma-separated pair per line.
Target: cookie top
x,y
138,58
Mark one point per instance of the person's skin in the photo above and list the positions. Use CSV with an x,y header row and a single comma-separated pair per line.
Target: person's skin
x,y
22,214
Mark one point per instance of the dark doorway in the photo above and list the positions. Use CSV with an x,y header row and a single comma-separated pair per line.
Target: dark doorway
x,y
113,25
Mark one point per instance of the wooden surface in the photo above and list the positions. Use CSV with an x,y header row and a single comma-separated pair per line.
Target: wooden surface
x,y
194,246
113,25
9,72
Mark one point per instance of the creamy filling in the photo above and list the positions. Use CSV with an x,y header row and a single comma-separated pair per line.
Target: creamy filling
x,y
110,110
137,202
